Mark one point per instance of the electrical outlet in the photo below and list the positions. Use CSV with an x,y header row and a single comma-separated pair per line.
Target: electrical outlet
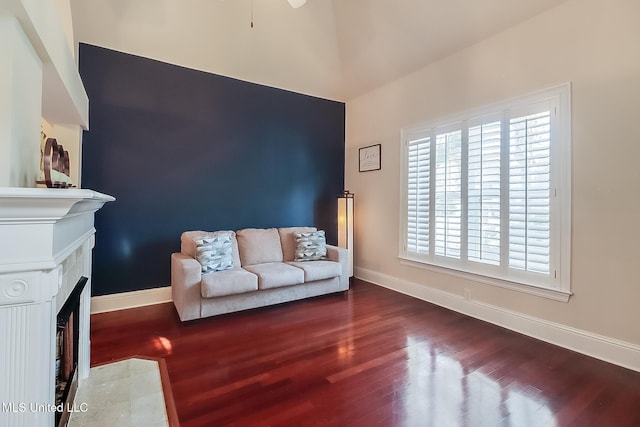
x,y
467,294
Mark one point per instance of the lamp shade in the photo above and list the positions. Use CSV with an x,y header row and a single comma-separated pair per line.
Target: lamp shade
x,y
345,225
297,3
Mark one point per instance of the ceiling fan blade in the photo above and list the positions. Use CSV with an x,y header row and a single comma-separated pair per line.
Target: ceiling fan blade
x,y
297,3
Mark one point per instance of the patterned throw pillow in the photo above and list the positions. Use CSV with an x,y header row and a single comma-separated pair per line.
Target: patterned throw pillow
x,y
310,246
213,252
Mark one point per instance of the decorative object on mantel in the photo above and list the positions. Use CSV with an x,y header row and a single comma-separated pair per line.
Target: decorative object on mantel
x,y
370,157
345,225
55,166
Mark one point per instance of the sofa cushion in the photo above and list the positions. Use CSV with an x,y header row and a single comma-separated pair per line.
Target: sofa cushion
x,y
276,274
228,282
288,240
318,270
188,245
213,252
259,245
310,246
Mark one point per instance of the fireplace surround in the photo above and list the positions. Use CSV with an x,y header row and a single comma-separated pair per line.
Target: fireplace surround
x,y
46,240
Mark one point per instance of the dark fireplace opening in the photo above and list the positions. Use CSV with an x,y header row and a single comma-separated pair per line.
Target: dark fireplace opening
x,y
67,342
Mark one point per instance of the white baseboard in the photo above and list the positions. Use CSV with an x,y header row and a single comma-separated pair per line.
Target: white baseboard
x,y
611,350
121,301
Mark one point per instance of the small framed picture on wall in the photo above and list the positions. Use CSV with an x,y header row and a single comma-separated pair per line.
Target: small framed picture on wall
x,y
370,158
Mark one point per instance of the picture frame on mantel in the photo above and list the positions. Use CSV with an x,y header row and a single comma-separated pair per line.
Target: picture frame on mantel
x,y
370,158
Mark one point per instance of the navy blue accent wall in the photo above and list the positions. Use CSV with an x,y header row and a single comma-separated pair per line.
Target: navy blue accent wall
x,y
182,149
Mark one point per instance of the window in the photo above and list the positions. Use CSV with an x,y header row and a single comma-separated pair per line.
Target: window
x,y
488,194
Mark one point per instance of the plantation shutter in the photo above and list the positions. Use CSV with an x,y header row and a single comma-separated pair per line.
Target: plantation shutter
x,y
419,179
483,220
448,195
530,192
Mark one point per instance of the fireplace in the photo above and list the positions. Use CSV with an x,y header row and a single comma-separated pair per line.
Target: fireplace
x,y
46,242
66,357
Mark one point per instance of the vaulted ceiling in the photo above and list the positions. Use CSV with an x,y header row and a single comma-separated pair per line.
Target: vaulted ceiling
x,y
336,49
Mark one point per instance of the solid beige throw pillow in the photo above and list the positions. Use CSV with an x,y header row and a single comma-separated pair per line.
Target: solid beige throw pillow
x,y
258,246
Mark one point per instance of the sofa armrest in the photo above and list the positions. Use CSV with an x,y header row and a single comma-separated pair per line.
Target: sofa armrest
x,y
340,255
186,275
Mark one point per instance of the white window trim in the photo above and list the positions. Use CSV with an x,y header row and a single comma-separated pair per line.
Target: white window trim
x,y
560,146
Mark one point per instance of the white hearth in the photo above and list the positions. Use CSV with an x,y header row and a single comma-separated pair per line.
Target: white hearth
x,y
46,240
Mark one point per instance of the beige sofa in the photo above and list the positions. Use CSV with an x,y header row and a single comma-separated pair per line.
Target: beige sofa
x,y
264,273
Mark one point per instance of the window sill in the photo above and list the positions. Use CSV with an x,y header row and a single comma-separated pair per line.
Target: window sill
x,y
539,291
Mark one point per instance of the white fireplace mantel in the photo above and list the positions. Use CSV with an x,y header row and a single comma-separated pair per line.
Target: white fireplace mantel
x,y
46,204
38,225
46,239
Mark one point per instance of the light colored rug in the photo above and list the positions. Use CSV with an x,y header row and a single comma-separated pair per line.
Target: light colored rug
x,y
124,393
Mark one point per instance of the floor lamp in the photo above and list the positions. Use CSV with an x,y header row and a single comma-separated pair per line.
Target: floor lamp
x,y
345,225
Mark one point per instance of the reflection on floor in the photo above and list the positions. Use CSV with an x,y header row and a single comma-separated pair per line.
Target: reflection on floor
x,y
124,393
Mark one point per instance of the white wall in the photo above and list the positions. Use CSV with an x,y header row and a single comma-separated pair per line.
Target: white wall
x,y
293,49
20,105
594,45
70,136
63,9
38,79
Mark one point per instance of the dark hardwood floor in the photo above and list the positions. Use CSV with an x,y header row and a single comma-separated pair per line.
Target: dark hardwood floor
x,y
371,357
